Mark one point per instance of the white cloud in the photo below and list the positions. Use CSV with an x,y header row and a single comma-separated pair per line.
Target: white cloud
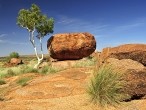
x,y
3,35
133,24
13,33
129,26
11,42
66,20
1,41
79,25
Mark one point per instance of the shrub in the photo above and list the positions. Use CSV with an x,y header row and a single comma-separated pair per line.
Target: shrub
x,y
10,73
2,99
14,55
85,63
48,69
28,69
106,86
2,82
52,69
23,81
44,70
89,57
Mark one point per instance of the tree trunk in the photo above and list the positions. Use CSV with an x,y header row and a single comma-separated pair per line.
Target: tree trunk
x,y
39,62
31,38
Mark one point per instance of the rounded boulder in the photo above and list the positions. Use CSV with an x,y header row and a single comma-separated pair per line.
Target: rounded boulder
x,y
71,46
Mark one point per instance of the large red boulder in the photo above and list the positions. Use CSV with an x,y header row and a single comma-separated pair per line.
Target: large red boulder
x,y
71,46
16,61
135,52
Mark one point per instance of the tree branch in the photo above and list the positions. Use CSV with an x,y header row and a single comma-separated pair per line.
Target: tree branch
x,y
41,48
31,38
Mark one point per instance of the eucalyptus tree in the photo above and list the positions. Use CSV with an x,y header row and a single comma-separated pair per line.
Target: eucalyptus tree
x,y
38,25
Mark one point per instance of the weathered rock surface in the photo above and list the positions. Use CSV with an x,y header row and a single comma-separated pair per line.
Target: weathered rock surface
x,y
134,74
71,46
135,52
136,83
125,64
16,61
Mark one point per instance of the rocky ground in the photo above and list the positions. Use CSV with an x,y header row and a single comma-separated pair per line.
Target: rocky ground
x,y
65,90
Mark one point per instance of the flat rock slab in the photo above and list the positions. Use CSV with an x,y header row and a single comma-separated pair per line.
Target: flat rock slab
x,y
66,83
65,90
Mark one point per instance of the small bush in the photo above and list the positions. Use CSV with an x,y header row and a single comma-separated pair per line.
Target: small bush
x,y
48,69
44,70
2,82
28,69
52,69
85,63
23,81
10,73
89,57
106,87
2,99
14,55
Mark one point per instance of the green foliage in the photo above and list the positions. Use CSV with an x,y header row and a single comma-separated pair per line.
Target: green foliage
x,y
85,63
44,70
36,23
34,19
48,69
89,57
2,82
24,81
106,86
52,69
14,55
10,73
28,69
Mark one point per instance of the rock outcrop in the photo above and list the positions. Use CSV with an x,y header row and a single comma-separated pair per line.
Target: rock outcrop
x,y
136,84
134,75
125,64
71,46
16,61
135,52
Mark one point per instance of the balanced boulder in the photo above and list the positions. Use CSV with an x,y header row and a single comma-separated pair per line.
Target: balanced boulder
x,y
135,52
71,46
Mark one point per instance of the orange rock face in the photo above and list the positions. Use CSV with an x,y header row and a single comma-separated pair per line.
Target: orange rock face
x,y
71,46
15,61
134,75
135,52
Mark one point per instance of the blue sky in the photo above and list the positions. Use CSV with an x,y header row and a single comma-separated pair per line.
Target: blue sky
x,y
112,22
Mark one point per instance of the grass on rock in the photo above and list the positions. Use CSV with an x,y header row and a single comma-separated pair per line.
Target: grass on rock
x,y
85,63
22,69
24,81
2,82
106,87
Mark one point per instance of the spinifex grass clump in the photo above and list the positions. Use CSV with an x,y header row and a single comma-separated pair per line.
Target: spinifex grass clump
x,y
2,82
28,69
85,63
44,70
24,81
10,73
106,86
